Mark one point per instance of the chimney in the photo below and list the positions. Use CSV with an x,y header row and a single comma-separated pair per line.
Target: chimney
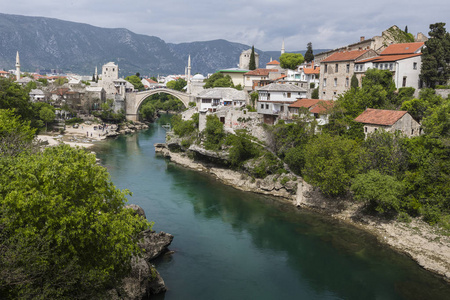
x,y
361,39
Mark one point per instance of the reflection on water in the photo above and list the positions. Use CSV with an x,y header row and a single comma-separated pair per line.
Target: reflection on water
x,y
235,245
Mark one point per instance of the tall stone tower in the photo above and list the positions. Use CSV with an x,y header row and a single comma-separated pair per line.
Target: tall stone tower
x,y
244,59
188,79
17,66
110,72
282,48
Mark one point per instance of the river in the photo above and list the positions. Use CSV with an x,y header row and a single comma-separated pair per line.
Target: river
x,y
235,245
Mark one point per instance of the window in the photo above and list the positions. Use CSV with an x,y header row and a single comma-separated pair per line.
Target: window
x,y
336,67
289,95
347,69
324,82
326,68
391,66
415,66
267,106
335,82
262,106
404,81
365,129
346,81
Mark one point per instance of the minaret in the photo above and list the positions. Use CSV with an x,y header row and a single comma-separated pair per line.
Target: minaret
x,y
188,90
96,72
17,66
282,48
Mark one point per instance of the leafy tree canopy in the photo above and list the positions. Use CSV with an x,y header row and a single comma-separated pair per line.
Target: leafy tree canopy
x,y
62,218
178,84
291,60
218,80
135,81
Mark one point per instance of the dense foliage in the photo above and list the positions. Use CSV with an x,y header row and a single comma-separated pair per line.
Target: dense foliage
x,y
64,232
218,80
291,60
436,57
159,102
309,55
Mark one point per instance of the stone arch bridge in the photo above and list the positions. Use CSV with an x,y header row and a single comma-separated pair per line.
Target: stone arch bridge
x,y
134,100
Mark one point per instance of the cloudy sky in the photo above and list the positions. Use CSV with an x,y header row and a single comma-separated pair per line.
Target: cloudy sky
x,y
263,23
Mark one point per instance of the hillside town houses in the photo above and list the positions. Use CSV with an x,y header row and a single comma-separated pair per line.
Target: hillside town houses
x,y
282,94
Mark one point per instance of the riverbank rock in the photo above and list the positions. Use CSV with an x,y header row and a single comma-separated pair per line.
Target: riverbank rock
x,y
144,280
154,244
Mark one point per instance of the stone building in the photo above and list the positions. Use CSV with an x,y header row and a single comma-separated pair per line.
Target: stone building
x,y
244,59
403,60
388,120
274,100
110,73
337,70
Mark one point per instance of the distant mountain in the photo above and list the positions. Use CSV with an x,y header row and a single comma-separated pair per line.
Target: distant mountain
x,y
45,43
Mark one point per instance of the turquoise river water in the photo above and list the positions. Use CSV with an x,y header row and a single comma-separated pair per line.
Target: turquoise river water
x,y
235,245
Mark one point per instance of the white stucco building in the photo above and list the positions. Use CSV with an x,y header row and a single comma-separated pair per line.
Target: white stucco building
x,y
274,100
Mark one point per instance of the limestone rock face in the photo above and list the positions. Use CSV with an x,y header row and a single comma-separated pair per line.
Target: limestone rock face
x,y
154,244
144,279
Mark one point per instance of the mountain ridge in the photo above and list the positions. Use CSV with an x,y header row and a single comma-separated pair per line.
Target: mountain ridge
x,y
50,43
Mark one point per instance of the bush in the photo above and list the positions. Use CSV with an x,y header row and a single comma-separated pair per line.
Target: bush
x,y
382,192
214,133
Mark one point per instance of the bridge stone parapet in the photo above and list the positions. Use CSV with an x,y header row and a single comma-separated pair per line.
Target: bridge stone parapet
x,y
134,100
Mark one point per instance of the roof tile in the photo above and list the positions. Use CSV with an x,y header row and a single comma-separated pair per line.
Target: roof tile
x,y
380,116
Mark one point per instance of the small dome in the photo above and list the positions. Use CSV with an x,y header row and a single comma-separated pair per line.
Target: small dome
x,y
198,77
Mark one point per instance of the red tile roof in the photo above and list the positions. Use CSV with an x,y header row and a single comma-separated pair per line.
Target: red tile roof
x,y
403,48
305,103
273,62
260,72
380,116
150,80
388,58
315,70
345,55
322,107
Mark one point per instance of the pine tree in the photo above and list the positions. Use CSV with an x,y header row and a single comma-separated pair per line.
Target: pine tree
x,y
309,56
436,57
354,82
252,64
406,29
93,77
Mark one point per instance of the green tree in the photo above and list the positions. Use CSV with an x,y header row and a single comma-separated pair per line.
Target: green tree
x,y
13,96
61,81
291,60
136,82
214,133
315,93
385,152
254,97
47,115
252,63
354,82
178,84
309,55
218,80
436,57
332,162
44,81
148,111
382,192
15,134
242,148
64,220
